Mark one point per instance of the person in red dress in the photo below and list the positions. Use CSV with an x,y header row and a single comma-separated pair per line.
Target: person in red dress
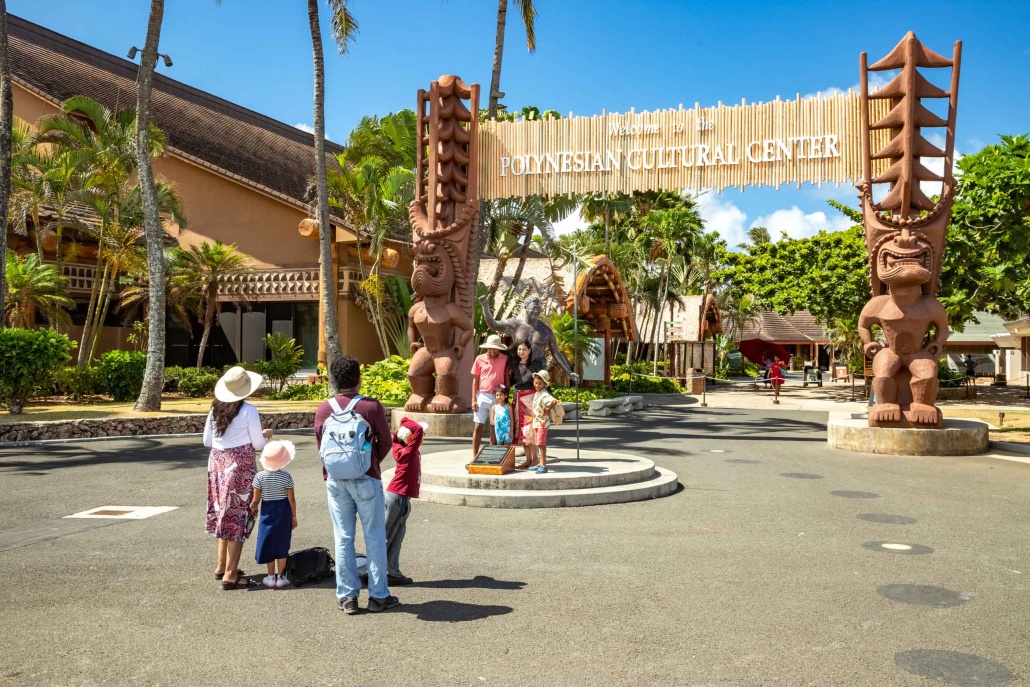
x,y
777,375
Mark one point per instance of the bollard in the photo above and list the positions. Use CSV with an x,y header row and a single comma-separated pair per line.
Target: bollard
x,y
704,390
852,388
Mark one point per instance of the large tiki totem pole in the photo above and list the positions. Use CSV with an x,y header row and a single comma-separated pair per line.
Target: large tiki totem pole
x,y
905,235
443,218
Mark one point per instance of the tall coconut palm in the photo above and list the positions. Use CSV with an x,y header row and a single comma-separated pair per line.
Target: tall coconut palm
x,y
527,11
6,126
32,285
344,30
605,207
153,378
202,268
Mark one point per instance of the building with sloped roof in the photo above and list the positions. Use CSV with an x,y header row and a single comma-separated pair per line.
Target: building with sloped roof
x,y
798,333
243,178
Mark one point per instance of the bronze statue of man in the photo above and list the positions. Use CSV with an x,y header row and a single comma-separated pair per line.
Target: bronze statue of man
x,y
531,329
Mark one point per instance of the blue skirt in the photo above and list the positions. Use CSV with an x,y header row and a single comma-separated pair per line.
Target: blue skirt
x,y
274,531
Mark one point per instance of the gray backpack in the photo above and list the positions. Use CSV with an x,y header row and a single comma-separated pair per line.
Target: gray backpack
x,y
346,449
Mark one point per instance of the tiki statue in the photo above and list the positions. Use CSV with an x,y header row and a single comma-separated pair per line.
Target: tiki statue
x,y
444,224
905,236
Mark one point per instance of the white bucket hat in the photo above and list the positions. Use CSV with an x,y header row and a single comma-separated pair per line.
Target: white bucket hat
x,y
277,455
494,341
544,376
236,384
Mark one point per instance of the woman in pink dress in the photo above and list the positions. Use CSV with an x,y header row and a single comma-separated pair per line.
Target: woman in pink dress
x,y
233,433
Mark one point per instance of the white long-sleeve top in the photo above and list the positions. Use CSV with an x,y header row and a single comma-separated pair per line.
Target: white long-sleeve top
x,y
244,429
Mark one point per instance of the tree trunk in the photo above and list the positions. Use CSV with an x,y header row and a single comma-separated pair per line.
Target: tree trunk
x,y
6,124
326,274
659,312
517,277
607,231
209,318
153,377
498,274
495,77
39,229
87,329
98,327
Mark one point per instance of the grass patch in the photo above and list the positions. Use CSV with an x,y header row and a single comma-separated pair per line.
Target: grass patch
x,y
1016,428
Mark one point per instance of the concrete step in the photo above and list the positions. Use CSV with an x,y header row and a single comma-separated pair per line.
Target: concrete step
x,y
661,483
594,469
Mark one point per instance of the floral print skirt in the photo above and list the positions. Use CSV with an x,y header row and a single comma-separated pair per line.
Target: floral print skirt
x,y
230,484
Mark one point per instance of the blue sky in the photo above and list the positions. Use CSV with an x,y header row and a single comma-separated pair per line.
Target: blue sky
x,y
591,55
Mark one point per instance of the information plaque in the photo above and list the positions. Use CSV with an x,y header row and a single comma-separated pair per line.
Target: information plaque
x,y
493,460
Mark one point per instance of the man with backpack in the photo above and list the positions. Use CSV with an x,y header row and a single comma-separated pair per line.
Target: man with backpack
x,y
353,438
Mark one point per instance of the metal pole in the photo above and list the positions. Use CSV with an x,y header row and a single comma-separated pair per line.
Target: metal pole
x,y
704,390
852,387
575,332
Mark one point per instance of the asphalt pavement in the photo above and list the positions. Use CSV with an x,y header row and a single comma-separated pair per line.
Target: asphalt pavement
x,y
777,563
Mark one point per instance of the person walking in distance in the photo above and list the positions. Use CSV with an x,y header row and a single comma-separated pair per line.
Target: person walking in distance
x,y
353,438
489,371
403,487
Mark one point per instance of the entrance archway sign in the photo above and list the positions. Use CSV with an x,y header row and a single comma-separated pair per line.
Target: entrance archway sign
x,y
817,140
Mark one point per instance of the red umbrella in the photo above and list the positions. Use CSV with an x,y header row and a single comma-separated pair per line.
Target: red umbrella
x,y
757,350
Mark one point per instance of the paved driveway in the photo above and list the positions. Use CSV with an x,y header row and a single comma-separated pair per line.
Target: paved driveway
x,y
767,567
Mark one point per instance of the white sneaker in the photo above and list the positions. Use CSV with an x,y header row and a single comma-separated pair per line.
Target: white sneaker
x,y
281,581
269,581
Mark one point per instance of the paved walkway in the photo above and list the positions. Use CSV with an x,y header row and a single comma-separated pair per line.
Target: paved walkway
x,y
766,568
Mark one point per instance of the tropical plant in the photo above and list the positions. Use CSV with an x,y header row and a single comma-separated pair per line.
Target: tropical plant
x,y
77,383
6,127
387,380
344,30
576,339
201,268
286,360
395,316
33,285
29,360
605,207
302,392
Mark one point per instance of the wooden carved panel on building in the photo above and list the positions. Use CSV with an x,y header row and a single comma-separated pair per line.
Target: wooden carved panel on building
x,y
443,219
905,236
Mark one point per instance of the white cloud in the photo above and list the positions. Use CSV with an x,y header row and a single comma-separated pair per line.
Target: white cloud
x,y
723,217
877,80
310,129
570,224
796,224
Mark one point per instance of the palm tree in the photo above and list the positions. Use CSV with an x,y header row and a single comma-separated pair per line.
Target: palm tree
x,y
153,378
6,126
605,207
203,267
31,285
758,237
344,30
528,13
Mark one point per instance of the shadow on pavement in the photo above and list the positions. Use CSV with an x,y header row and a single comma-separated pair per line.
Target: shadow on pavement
x,y
176,454
477,582
452,611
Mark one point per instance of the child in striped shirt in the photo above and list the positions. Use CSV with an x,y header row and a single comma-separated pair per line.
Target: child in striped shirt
x,y
273,493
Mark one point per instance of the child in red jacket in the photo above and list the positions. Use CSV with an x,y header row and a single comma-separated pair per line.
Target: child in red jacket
x,y
403,487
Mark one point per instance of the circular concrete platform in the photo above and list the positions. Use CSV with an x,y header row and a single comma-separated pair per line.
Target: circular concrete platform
x,y
851,432
597,478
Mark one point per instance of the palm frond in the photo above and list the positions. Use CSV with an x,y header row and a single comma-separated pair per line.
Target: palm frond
x,y
344,25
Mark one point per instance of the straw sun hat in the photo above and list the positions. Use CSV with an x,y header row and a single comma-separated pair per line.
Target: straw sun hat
x,y
236,384
277,455
544,376
494,341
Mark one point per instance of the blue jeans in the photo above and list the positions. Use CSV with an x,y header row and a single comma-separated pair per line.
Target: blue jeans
x,y
361,497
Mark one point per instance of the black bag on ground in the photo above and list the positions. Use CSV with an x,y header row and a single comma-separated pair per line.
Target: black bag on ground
x,y
309,565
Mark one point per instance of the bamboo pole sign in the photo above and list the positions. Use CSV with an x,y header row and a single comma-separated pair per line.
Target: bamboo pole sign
x,y
817,140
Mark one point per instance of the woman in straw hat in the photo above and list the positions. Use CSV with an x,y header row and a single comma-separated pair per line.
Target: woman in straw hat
x,y
233,433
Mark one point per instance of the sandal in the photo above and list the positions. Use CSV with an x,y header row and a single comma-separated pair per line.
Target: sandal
x,y
219,576
241,582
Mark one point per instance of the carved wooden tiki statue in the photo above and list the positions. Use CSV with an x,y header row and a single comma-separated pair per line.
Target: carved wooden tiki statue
x,y
444,224
904,327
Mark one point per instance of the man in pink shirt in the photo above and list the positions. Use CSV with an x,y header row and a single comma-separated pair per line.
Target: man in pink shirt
x,y
488,372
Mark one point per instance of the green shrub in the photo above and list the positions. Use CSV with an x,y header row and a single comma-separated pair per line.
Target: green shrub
x,y
198,381
387,381
948,378
172,375
568,394
78,382
29,359
626,383
121,374
303,392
